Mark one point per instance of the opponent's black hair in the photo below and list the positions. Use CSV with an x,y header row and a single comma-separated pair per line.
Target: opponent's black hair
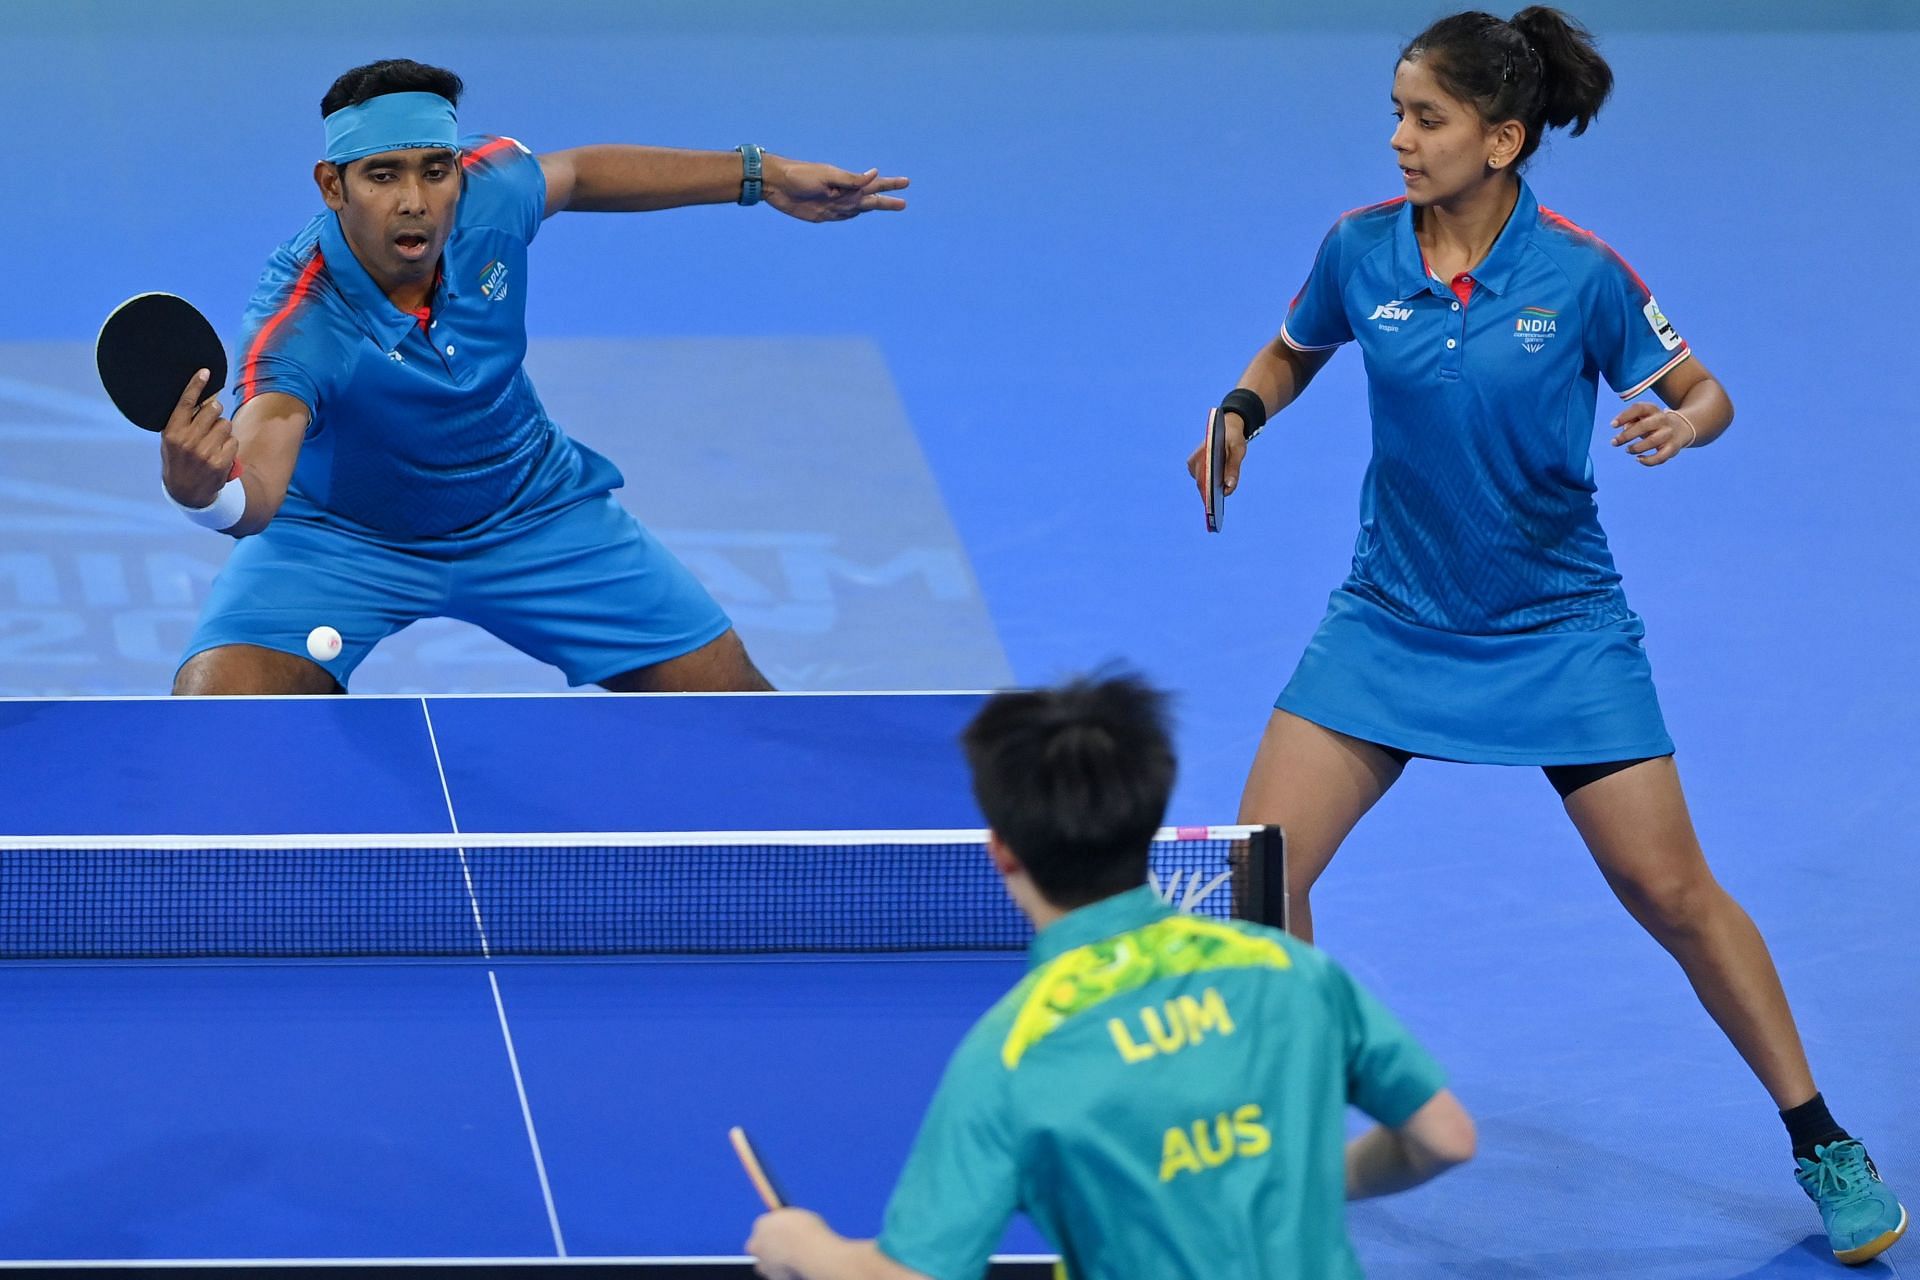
x,y
1540,68
390,75
1075,781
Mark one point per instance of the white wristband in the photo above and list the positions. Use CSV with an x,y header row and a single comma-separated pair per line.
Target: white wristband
x,y
223,512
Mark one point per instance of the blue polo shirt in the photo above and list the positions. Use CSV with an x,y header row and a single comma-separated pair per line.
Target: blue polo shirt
x,y
418,430
1477,512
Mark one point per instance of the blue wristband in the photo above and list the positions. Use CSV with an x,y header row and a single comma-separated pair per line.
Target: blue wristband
x,y
750,166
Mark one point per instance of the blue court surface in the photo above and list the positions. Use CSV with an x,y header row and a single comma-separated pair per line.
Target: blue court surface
x,y
498,1108
199,1102
945,450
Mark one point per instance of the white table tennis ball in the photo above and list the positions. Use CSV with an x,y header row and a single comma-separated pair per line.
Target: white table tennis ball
x,y
323,643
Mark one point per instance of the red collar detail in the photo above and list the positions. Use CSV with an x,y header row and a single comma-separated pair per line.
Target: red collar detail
x,y
1462,284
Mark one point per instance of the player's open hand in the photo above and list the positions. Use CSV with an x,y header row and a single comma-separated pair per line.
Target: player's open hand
x,y
1652,435
822,193
197,448
1236,452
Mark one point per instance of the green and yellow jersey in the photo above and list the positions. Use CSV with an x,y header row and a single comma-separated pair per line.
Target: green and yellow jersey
x,y
1164,1095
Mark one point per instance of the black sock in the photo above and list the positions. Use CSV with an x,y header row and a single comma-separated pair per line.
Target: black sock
x,y
1809,1125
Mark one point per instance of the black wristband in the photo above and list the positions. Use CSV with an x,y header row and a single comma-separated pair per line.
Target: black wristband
x,y
1251,408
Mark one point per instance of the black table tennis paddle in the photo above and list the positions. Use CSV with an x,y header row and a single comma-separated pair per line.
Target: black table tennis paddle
x,y
148,350
1216,470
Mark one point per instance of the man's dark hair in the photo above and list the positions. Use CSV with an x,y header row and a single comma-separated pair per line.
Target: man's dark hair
x,y
390,75
1075,781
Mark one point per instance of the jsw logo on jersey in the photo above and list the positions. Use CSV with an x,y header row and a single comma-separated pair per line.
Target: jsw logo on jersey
x,y
1391,311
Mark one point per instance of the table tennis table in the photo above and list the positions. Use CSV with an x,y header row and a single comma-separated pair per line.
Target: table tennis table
x,y
491,1113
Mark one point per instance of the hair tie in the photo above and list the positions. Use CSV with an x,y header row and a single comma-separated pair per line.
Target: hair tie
x,y
1693,435
1533,54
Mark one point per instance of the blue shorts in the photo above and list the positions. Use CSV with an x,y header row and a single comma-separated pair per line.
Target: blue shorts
x,y
581,585
1545,698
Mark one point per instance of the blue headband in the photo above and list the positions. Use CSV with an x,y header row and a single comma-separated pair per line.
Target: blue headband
x,y
390,122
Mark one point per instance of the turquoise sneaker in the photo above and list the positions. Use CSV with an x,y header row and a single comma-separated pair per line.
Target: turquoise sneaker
x,y
1861,1215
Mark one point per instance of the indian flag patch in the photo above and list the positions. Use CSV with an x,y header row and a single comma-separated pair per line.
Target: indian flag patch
x,y
1534,326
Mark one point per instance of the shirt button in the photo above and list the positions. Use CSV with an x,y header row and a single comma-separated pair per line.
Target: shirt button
x,y
1456,306
1449,346
450,349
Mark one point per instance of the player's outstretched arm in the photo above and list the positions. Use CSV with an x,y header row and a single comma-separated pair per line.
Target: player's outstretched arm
x,y
1278,374
793,1244
632,179
1433,1140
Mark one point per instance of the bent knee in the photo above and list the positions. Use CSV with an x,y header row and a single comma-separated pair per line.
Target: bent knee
x,y
721,665
237,670
1670,904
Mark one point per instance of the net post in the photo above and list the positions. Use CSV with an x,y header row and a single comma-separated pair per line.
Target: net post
x,y
1266,898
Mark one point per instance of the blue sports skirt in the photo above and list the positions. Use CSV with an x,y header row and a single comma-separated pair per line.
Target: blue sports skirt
x,y
1541,698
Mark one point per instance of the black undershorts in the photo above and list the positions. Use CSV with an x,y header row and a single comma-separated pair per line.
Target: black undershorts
x,y
1566,778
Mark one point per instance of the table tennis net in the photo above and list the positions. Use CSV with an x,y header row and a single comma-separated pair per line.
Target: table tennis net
x,y
593,894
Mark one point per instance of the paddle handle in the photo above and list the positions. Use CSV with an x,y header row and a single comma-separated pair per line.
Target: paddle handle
x,y
756,1172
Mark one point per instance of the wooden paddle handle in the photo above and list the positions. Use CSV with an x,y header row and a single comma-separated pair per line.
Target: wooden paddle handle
x,y
750,1161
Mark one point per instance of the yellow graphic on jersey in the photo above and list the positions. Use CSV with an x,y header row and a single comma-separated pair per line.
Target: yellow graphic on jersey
x,y
1088,976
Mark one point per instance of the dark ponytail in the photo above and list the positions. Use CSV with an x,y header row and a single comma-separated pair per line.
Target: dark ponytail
x,y
1541,69
1575,79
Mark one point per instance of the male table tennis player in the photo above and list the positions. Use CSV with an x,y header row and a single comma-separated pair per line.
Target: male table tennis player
x,y
1164,1095
397,463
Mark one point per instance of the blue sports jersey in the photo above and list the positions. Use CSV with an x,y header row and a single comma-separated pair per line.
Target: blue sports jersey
x,y
1477,512
418,430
